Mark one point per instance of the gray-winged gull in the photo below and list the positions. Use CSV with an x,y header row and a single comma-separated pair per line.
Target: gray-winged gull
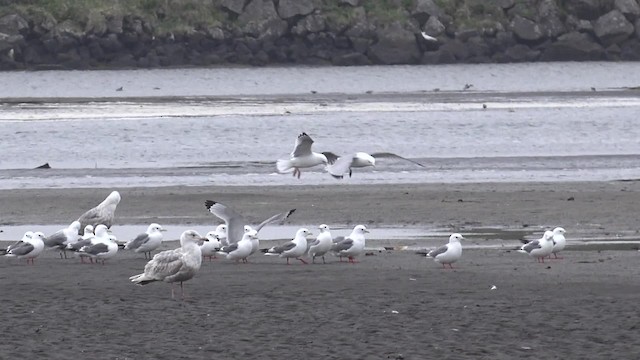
x,y
29,248
559,241
241,249
27,235
449,253
322,244
539,249
351,246
178,265
341,165
103,213
101,236
209,248
295,248
101,248
301,157
61,238
236,222
147,241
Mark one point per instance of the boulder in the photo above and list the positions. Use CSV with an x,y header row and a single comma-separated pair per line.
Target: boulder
x,y
433,27
520,53
234,6
396,45
13,24
426,9
353,3
612,28
629,8
573,46
350,59
526,30
291,8
8,42
586,9
630,50
550,19
96,23
309,24
260,20
115,24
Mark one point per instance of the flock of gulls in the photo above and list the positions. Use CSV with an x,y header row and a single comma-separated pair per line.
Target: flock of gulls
x,y
89,237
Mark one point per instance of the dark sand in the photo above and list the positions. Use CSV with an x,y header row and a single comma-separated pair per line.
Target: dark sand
x,y
581,307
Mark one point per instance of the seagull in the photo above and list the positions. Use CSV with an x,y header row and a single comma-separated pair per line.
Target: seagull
x,y
147,241
88,232
321,244
101,236
301,157
61,238
448,253
103,247
215,243
295,248
340,165
27,236
236,222
178,265
103,213
559,242
255,242
352,245
428,37
539,248
29,248
241,249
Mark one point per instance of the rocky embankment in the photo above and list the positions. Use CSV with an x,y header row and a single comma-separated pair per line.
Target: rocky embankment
x,y
327,32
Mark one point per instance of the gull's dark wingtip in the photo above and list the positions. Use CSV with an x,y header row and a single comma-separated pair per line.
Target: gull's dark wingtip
x,y
209,203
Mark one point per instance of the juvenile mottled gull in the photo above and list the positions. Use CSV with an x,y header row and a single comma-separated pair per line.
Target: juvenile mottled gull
x,y
295,248
173,266
539,249
352,245
29,248
147,241
236,222
301,157
61,238
241,249
448,253
341,165
559,241
103,213
322,244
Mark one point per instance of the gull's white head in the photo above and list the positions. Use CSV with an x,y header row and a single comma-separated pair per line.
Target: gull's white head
x,y
360,229
75,226
248,228
303,232
113,198
558,231
101,230
27,236
155,228
88,229
251,234
547,235
365,159
456,237
191,237
39,235
323,228
222,228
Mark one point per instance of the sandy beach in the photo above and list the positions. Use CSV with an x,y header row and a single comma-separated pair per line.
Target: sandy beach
x,y
391,305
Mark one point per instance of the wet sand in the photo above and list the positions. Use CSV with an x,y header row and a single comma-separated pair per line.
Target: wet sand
x,y
583,306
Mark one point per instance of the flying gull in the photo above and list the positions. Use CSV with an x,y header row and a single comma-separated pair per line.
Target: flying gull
x,y
147,241
352,245
322,244
241,249
178,265
29,248
559,242
236,222
341,165
448,253
295,248
539,249
61,238
301,157
103,213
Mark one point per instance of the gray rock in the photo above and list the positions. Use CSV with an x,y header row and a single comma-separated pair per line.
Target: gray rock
x,y
8,42
573,46
525,29
70,28
433,27
350,59
261,20
13,24
426,9
216,33
234,6
309,24
637,26
456,48
630,50
466,33
440,56
506,4
353,3
585,9
612,28
628,8
396,45
115,24
96,23
291,8
521,53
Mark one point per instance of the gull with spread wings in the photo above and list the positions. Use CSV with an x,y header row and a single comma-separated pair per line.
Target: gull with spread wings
x,y
301,157
341,165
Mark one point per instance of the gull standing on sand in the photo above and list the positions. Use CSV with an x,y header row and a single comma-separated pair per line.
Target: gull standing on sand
x,y
448,253
322,244
29,248
103,213
61,238
178,265
295,248
102,247
27,235
236,222
211,246
352,246
559,242
88,232
101,236
539,249
241,249
301,157
147,241
341,165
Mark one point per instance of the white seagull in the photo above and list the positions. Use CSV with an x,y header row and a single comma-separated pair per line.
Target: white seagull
x,y
295,248
322,244
27,235
236,222
62,237
103,213
147,241
559,242
353,245
341,165
448,253
178,265
210,247
301,157
539,249
241,249
103,246
29,248
88,232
